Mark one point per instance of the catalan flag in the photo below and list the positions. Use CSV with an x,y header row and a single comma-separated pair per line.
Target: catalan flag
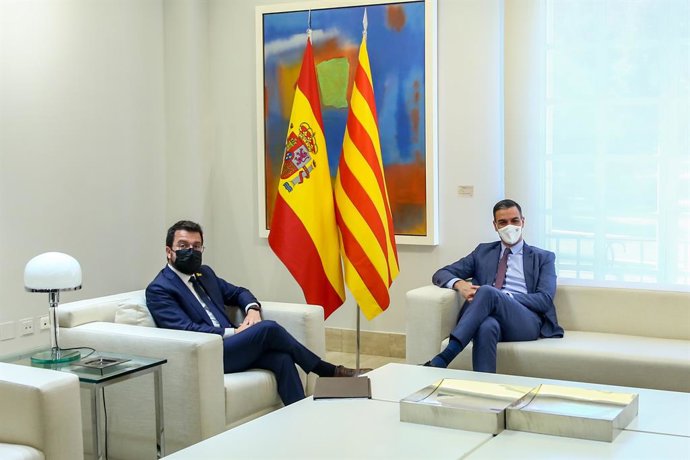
x,y
303,233
362,209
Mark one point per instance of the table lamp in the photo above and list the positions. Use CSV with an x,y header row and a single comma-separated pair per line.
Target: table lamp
x,y
53,272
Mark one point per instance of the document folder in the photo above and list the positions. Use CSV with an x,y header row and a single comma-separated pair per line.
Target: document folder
x,y
342,387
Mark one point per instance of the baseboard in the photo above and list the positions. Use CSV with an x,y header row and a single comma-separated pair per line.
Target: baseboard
x,y
370,343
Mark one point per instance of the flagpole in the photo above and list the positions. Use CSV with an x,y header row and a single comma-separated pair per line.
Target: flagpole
x,y
357,309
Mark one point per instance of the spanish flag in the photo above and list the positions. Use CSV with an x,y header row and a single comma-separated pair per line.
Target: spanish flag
x,y
303,232
362,209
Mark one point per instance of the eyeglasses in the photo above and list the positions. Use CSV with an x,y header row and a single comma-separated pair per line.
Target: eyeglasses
x,y
195,247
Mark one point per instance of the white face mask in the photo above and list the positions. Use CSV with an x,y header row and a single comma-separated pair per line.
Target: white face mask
x,y
510,234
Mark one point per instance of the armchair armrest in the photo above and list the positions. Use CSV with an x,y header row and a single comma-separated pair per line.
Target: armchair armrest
x,y
193,388
431,313
40,408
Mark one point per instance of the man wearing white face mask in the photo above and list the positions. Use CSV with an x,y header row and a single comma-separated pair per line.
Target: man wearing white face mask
x,y
509,298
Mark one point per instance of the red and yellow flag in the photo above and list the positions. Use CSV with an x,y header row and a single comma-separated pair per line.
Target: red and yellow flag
x,y
303,233
363,212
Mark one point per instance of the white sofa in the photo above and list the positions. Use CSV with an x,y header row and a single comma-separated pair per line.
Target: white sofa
x,y
638,338
199,400
40,414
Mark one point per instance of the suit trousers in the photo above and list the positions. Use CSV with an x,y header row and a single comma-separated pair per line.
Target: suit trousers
x,y
492,317
267,345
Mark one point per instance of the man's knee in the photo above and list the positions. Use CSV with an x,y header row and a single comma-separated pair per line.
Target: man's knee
x,y
267,326
267,323
486,292
485,298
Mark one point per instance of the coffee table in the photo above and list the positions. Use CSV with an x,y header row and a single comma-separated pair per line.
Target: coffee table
x,y
361,428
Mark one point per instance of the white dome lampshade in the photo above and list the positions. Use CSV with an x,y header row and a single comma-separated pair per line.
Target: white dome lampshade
x,y
52,271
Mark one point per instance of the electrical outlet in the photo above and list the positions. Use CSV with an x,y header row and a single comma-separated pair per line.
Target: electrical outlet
x,y
26,326
44,322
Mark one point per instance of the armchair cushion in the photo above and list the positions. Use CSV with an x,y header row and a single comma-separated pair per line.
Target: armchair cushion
x,y
248,393
135,315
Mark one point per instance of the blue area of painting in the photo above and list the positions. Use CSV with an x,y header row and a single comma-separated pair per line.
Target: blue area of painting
x,y
397,62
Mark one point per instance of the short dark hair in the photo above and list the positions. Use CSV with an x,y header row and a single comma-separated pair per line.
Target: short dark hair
x,y
187,225
506,204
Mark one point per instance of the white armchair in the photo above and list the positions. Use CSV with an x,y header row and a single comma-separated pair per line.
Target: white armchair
x,y
40,414
199,400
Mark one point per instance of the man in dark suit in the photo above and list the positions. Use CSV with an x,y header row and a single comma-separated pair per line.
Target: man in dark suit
x,y
189,296
509,304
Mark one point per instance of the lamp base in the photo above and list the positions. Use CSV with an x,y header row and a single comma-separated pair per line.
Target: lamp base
x,y
55,356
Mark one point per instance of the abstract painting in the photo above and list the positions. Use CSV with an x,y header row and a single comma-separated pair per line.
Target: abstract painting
x,y
401,46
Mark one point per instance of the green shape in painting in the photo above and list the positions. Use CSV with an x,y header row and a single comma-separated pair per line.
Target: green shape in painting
x,y
332,75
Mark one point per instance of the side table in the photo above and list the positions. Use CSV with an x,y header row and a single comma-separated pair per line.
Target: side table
x,y
95,379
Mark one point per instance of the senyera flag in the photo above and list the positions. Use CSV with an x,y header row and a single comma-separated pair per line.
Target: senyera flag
x,y
363,212
303,233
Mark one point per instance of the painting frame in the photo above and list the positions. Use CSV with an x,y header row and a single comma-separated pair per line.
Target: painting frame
x,y
429,162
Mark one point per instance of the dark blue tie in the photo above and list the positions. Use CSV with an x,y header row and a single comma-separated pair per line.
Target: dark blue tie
x,y
201,292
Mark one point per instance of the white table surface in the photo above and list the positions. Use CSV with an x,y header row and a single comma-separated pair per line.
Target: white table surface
x,y
629,445
332,429
663,412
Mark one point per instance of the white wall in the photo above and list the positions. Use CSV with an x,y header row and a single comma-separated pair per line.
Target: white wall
x,y
82,139
118,117
470,153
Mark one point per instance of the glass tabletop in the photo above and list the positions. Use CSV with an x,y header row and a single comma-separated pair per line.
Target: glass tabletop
x,y
94,366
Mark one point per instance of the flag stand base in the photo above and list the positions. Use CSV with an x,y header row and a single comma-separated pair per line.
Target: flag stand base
x,y
342,387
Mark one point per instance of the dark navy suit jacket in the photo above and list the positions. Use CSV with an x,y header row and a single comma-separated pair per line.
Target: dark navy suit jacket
x,y
540,278
173,306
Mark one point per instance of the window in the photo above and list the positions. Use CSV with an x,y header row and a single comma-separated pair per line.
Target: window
x,y
614,156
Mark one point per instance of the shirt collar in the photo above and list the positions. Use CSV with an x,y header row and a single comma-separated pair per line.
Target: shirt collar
x,y
183,276
517,249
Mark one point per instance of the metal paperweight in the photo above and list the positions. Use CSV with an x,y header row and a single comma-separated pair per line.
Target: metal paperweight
x,y
573,412
462,404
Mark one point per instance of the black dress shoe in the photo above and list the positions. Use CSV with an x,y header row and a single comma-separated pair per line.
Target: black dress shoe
x,y
342,371
427,364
